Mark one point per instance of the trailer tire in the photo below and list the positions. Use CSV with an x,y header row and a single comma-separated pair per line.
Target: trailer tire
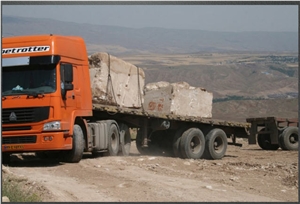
x,y
113,140
192,144
215,144
264,141
280,140
288,139
75,154
125,140
5,158
176,142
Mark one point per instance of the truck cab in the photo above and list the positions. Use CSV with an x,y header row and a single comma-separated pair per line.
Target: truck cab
x,y
46,94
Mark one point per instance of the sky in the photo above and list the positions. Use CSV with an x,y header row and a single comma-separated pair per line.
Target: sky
x,y
231,18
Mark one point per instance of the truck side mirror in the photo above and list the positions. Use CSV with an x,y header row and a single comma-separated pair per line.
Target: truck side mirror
x,y
66,73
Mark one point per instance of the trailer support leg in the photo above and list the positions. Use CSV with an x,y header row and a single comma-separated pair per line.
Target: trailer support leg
x,y
253,131
145,134
274,132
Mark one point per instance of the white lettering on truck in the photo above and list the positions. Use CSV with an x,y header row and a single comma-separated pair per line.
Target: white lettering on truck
x,y
18,50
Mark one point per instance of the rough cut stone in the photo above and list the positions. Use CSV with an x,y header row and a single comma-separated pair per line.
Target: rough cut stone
x,y
115,82
177,98
5,199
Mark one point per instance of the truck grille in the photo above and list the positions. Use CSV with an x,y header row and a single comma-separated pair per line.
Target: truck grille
x,y
19,139
24,115
16,128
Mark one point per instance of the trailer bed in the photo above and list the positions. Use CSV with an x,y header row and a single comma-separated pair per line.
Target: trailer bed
x,y
140,112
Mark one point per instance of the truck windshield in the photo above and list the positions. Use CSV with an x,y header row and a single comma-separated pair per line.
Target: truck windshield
x,y
28,80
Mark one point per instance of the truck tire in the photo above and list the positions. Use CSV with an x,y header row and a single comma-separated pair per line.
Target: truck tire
x,y
192,144
264,141
75,154
113,140
176,142
125,140
288,139
215,144
5,158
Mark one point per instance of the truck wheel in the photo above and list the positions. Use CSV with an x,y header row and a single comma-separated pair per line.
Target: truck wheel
x,y
192,144
125,140
215,144
113,140
289,139
264,141
5,158
176,142
75,155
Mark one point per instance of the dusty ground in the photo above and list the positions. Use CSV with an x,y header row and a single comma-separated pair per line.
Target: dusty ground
x,y
245,174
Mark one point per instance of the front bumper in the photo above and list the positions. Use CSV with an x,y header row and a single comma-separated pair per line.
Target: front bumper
x,y
36,142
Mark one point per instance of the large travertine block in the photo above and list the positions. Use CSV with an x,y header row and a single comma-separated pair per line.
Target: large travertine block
x,y
115,82
177,98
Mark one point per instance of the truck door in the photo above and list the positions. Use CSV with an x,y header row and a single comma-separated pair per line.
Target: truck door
x,y
77,90
66,86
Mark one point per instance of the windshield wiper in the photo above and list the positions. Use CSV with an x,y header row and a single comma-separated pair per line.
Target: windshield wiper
x,y
35,95
3,97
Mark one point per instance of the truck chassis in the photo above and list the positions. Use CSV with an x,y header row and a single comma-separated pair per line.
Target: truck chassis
x,y
185,137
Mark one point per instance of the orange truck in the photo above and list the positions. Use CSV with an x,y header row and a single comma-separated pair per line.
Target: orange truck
x,y
47,108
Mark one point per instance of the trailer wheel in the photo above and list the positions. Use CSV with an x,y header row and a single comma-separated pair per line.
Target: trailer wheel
x,y
113,140
125,140
5,158
289,139
192,144
264,141
215,144
176,142
75,154
280,139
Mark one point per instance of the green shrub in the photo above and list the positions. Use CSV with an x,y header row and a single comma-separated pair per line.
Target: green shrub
x,y
17,192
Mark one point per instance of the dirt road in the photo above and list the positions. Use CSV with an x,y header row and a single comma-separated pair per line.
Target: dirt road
x,y
245,174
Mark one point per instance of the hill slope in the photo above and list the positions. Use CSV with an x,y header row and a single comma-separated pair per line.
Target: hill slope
x,y
240,110
156,40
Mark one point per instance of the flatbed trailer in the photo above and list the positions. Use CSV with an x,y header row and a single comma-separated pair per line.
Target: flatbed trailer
x,y
167,130
274,132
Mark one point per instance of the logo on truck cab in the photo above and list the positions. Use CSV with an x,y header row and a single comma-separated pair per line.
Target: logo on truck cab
x,y
30,49
13,116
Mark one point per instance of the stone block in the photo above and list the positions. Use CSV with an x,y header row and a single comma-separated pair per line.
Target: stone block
x,y
177,98
115,82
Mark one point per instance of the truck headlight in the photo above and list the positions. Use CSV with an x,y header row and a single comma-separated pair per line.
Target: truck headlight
x,y
55,125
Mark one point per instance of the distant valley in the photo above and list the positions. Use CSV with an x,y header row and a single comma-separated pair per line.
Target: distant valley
x,y
230,76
